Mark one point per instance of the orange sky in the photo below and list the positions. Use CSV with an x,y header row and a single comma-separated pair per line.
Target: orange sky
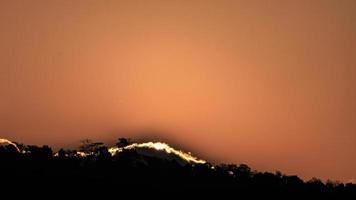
x,y
268,83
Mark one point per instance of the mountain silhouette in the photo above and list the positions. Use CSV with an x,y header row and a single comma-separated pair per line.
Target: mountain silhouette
x,y
148,169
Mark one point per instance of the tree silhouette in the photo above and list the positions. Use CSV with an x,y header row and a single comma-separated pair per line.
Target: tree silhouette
x,y
123,142
130,170
43,152
92,148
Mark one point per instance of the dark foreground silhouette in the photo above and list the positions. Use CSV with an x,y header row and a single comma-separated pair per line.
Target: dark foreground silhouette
x,y
131,173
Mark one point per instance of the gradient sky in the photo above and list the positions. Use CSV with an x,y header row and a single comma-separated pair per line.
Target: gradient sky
x,y
268,83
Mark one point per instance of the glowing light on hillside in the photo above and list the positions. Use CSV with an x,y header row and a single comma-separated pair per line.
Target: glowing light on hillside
x,y
82,154
8,142
159,146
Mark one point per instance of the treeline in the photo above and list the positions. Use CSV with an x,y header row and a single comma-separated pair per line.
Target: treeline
x,y
129,172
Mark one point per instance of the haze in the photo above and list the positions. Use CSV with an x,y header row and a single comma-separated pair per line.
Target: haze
x,y
267,83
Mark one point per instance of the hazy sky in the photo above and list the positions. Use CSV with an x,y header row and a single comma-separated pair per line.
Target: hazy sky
x,y
268,83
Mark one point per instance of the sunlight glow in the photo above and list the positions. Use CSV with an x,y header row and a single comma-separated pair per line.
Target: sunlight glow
x,y
8,142
159,146
82,154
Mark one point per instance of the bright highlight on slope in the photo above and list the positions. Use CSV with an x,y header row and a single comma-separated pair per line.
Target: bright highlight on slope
x,y
8,142
159,146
